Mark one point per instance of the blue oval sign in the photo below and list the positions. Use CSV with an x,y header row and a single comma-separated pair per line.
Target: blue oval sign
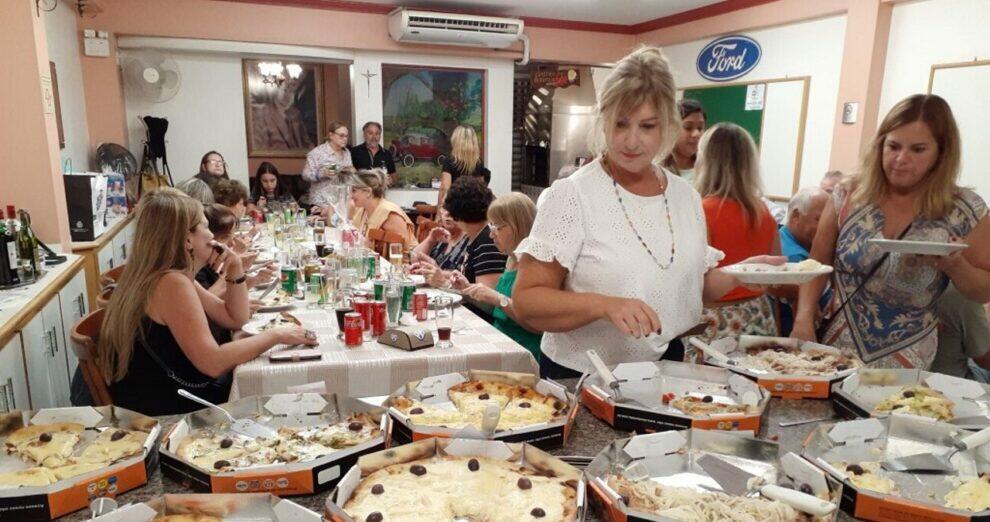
x,y
728,58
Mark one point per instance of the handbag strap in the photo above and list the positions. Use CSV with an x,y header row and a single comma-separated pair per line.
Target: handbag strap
x,y
873,270
169,371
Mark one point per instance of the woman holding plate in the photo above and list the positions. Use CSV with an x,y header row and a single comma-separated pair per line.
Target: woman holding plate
x,y
618,250
883,303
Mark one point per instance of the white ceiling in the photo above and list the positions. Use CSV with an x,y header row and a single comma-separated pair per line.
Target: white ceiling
x,y
623,12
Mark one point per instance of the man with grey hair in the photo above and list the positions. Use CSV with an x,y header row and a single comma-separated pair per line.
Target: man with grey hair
x,y
801,223
830,180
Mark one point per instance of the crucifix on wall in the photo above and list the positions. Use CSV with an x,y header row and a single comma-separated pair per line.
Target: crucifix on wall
x,y
368,75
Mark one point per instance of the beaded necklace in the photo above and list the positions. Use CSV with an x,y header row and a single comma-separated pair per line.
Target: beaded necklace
x,y
670,223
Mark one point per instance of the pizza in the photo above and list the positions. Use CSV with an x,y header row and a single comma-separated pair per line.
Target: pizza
x,y
186,518
682,503
216,451
971,495
707,405
519,406
867,475
280,320
280,298
112,445
919,400
455,488
27,477
48,445
788,360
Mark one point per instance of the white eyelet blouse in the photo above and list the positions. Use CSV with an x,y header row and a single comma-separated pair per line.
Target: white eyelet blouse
x,y
581,225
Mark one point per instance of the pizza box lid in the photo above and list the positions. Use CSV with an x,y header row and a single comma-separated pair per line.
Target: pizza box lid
x,y
832,445
95,419
642,385
287,409
866,388
227,506
670,458
735,349
520,453
433,391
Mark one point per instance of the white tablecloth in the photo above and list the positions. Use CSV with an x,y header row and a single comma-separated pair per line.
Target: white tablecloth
x,y
375,369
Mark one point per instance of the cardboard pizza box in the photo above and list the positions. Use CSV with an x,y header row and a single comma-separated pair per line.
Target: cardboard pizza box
x,y
226,506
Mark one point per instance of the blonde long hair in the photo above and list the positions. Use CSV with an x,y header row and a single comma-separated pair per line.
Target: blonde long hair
x,y
939,186
641,77
164,218
516,210
464,148
728,167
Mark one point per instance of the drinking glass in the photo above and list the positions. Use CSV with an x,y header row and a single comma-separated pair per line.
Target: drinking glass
x,y
395,256
445,321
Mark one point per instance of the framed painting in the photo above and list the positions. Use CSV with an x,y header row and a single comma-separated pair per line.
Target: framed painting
x,y
421,108
283,115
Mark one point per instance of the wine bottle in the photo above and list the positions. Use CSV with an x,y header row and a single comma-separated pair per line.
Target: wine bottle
x,y
27,248
8,257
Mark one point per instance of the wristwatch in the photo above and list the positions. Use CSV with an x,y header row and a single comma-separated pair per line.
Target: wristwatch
x,y
504,301
237,281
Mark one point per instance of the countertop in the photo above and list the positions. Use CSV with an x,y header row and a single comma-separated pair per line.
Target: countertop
x,y
588,437
19,305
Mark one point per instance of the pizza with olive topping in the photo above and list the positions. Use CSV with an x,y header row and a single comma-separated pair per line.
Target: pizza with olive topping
x,y
707,405
786,360
519,406
48,445
462,488
919,400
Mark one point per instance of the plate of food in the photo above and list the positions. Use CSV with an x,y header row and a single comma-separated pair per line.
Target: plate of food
x,y
923,248
785,274
265,322
277,302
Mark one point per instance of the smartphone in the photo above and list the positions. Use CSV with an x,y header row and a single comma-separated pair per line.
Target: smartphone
x,y
304,354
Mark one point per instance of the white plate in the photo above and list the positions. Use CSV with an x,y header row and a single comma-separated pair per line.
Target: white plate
x,y
928,248
254,327
786,274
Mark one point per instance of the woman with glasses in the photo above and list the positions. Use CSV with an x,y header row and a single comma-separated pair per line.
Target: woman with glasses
x,y
212,168
324,164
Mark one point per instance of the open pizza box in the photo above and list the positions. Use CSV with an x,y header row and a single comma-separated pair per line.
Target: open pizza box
x,y
256,507
523,454
284,479
784,385
916,496
76,492
670,459
637,403
433,391
859,394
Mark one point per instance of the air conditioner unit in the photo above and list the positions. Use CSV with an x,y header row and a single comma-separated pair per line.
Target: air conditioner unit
x,y
411,26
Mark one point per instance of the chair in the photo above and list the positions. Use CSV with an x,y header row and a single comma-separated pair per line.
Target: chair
x,y
426,211
111,276
423,228
103,298
381,239
85,334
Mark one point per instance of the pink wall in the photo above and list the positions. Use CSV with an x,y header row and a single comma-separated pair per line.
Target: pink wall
x,y
29,138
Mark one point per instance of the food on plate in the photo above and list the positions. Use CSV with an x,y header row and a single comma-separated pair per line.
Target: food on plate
x,y
280,320
919,400
789,360
689,504
808,265
519,406
279,298
867,475
707,405
462,488
48,445
216,451
971,495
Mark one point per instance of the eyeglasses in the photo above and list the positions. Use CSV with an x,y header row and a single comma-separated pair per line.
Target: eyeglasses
x,y
339,135
495,227
216,162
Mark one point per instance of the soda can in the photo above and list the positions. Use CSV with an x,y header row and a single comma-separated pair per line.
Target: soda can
x,y
289,279
349,237
352,330
379,317
379,289
363,307
408,289
421,304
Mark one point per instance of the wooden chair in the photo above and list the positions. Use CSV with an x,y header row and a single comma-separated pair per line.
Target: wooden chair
x,y
111,276
426,211
103,298
381,239
423,228
85,334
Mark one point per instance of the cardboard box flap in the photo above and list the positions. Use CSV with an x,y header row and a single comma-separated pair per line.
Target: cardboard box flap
x,y
288,511
636,371
482,448
655,444
295,404
856,431
85,415
130,513
800,471
434,389
954,387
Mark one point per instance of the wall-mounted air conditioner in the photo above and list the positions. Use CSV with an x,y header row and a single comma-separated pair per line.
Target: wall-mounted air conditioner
x,y
411,26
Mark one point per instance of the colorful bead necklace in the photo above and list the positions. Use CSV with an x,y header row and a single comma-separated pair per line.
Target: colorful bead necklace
x,y
670,223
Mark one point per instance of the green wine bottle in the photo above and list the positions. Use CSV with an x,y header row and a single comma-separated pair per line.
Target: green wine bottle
x,y
27,248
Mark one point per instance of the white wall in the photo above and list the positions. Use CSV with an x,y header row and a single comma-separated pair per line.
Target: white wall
x,y
498,103
206,114
813,49
63,48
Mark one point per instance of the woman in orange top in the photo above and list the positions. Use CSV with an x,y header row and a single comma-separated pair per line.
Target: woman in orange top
x,y
373,211
739,224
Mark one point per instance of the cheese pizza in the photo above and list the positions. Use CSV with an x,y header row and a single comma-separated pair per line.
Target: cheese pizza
x,y
868,475
793,361
707,405
919,400
971,495
519,406
48,445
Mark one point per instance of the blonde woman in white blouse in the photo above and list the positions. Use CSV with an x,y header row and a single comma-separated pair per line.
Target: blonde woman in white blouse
x,y
619,249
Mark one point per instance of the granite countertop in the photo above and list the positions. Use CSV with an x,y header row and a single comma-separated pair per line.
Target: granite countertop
x,y
588,437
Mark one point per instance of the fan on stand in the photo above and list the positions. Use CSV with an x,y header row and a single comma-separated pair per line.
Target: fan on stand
x,y
151,76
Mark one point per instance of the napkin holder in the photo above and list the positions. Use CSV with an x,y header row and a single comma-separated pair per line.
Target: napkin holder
x,y
407,338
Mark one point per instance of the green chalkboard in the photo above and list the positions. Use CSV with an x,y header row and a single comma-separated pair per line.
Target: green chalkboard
x,y
728,103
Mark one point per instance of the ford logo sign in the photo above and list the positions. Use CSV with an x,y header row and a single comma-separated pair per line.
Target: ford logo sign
x,y
728,58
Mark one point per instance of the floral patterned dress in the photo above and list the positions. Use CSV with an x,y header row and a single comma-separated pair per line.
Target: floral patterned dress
x,y
891,321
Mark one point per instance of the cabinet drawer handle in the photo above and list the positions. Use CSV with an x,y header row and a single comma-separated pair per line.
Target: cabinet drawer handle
x,y
8,394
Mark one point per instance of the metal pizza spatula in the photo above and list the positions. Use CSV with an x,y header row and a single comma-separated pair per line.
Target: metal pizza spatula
x,y
244,426
739,482
938,463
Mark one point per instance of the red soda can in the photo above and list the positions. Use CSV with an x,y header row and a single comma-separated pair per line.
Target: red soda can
x,y
352,330
421,304
349,236
363,307
258,216
378,318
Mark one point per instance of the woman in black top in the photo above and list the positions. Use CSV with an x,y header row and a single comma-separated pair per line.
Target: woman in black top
x,y
464,160
269,191
155,337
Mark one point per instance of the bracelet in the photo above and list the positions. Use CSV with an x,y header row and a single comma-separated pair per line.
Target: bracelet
x,y
237,281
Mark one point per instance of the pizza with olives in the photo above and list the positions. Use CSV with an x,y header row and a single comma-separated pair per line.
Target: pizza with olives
x,y
519,406
707,405
919,400
786,360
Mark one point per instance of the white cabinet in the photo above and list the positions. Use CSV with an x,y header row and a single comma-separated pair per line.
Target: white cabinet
x,y
120,248
104,258
44,346
72,299
13,379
